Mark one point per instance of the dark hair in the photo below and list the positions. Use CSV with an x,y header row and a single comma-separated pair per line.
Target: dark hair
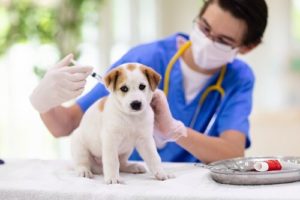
x,y
253,12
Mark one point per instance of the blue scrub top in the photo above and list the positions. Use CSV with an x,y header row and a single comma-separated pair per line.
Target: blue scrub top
x,y
233,110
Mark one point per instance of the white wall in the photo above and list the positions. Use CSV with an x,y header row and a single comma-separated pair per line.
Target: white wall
x,y
275,122
176,16
270,59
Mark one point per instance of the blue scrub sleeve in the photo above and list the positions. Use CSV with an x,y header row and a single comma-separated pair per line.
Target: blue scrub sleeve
x,y
235,112
96,93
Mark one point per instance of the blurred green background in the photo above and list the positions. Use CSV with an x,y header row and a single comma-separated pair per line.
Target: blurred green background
x,y
55,22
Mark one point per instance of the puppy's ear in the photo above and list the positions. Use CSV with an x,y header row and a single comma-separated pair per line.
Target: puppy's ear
x,y
111,79
152,76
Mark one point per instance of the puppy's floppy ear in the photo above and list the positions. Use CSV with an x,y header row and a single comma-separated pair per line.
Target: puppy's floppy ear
x,y
152,76
111,79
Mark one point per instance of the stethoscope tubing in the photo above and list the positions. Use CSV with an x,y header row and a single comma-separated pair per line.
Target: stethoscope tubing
x,y
216,87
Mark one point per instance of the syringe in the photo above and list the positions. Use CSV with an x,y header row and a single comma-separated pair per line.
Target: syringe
x,y
94,74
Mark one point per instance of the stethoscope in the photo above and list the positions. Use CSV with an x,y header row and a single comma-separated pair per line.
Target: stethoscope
x,y
213,88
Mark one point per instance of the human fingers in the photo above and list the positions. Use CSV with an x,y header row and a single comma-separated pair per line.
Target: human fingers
x,y
78,69
73,86
68,94
65,61
76,77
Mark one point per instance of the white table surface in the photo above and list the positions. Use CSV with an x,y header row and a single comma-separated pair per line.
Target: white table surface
x,y
55,179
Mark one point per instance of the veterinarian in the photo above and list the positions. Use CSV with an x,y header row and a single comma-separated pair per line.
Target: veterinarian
x,y
207,99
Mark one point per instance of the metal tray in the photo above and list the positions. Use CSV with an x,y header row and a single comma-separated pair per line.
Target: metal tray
x,y
239,171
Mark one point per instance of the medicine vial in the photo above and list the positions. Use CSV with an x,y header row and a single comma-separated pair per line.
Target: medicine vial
x,y
272,165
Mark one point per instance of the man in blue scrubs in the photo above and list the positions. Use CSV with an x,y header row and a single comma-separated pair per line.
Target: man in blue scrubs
x,y
220,128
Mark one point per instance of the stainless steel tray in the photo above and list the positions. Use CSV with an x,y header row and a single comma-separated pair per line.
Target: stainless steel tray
x,y
238,171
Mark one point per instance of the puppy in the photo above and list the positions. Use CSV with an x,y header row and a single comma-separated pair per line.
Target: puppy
x,y
114,125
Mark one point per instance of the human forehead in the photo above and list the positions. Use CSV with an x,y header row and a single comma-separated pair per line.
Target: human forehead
x,y
222,22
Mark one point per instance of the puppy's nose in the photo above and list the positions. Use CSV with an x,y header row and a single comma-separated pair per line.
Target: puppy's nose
x,y
136,105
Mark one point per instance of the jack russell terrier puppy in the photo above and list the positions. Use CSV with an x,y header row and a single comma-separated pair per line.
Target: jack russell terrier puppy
x,y
114,125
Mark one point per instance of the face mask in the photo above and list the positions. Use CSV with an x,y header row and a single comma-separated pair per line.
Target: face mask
x,y
208,54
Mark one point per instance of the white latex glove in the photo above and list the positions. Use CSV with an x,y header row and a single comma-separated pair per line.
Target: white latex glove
x,y
60,84
166,128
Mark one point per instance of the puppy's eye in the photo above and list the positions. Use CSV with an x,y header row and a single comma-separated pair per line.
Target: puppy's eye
x,y
124,88
142,86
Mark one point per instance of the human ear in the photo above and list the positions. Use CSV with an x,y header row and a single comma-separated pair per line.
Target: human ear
x,y
247,48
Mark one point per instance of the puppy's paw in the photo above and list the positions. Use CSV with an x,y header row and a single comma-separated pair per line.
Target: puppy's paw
x,y
84,172
113,180
133,168
161,175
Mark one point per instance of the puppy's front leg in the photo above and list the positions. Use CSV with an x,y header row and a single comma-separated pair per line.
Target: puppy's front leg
x,y
147,149
127,167
110,159
81,157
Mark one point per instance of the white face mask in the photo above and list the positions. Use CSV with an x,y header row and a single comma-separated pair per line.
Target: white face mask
x,y
208,54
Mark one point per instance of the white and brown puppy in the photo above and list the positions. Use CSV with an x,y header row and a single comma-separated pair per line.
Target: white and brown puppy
x,y
114,125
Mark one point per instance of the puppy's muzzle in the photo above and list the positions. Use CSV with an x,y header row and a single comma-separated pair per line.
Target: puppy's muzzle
x,y
136,105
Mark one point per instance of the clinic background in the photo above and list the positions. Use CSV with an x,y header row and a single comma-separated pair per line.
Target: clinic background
x,y
108,28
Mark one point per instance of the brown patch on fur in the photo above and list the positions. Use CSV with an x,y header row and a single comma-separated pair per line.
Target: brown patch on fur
x,y
131,67
102,104
115,78
152,76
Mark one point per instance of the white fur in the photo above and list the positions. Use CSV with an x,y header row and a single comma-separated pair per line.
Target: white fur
x,y
111,135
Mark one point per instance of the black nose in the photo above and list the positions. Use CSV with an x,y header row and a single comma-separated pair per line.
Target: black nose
x,y
136,105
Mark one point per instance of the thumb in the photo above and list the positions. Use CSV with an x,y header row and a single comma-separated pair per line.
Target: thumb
x,y
65,61
153,101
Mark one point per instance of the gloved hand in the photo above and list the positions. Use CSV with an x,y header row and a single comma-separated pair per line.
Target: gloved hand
x,y
166,128
61,83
